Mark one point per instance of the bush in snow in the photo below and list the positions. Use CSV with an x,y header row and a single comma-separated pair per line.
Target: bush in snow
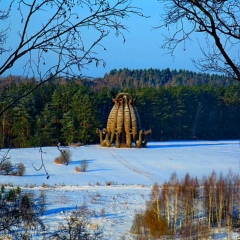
x,y
58,160
20,213
82,167
76,225
6,167
19,169
150,224
64,158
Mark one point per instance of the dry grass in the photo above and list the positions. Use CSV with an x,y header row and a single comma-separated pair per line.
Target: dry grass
x,y
64,158
77,169
58,160
82,167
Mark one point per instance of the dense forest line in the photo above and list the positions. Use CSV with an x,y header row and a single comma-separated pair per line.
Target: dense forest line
x,y
70,110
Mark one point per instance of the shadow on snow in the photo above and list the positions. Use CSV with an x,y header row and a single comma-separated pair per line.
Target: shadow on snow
x,y
58,210
184,144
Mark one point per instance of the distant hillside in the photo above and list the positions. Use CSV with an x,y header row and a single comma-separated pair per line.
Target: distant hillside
x,y
138,78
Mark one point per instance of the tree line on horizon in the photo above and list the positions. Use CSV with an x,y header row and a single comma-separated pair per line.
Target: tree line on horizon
x,y
69,110
138,78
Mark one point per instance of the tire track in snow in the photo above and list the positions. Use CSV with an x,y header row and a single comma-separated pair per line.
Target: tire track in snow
x,y
126,164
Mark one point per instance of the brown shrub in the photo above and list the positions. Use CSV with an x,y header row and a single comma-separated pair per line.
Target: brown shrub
x,y
21,169
82,167
64,158
158,226
109,183
6,167
148,224
58,160
77,169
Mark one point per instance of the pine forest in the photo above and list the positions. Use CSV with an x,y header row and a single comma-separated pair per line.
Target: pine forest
x,y
175,105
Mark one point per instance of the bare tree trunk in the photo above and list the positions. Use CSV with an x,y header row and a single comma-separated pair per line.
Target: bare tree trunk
x,y
195,122
209,185
166,197
230,203
175,185
3,128
220,189
176,191
156,198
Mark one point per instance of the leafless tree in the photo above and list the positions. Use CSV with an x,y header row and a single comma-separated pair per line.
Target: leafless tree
x,y
209,197
217,21
4,156
58,37
166,195
220,199
20,213
175,188
229,201
75,226
190,209
155,197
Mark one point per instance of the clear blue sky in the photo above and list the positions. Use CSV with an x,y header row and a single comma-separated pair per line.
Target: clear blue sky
x,y
142,49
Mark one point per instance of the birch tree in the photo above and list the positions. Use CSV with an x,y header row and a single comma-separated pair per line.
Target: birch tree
x,y
220,198
166,188
156,196
176,188
209,197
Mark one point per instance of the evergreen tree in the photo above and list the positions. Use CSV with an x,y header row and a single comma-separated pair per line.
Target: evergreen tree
x,y
87,117
69,132
45,133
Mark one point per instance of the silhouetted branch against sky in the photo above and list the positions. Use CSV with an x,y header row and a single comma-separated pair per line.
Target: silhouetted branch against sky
x,y
71,31
47,38
219,23
94,44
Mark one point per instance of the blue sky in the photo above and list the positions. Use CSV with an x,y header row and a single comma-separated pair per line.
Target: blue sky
x,y
142,49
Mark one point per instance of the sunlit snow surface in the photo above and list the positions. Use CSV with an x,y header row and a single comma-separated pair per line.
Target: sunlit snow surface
x,y
130,172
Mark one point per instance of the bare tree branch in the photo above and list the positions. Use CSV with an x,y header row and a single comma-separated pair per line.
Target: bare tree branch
x,y
57,38
219,21
4,155
4,14
42,166
61,37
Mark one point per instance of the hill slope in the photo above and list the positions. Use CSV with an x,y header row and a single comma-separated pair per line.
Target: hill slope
x,y
143,166
130,173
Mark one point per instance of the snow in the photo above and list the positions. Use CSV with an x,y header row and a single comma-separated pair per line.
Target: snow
x,y
129,172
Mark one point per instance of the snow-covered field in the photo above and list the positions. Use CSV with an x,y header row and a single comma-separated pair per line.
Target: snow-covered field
x,y
130,173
